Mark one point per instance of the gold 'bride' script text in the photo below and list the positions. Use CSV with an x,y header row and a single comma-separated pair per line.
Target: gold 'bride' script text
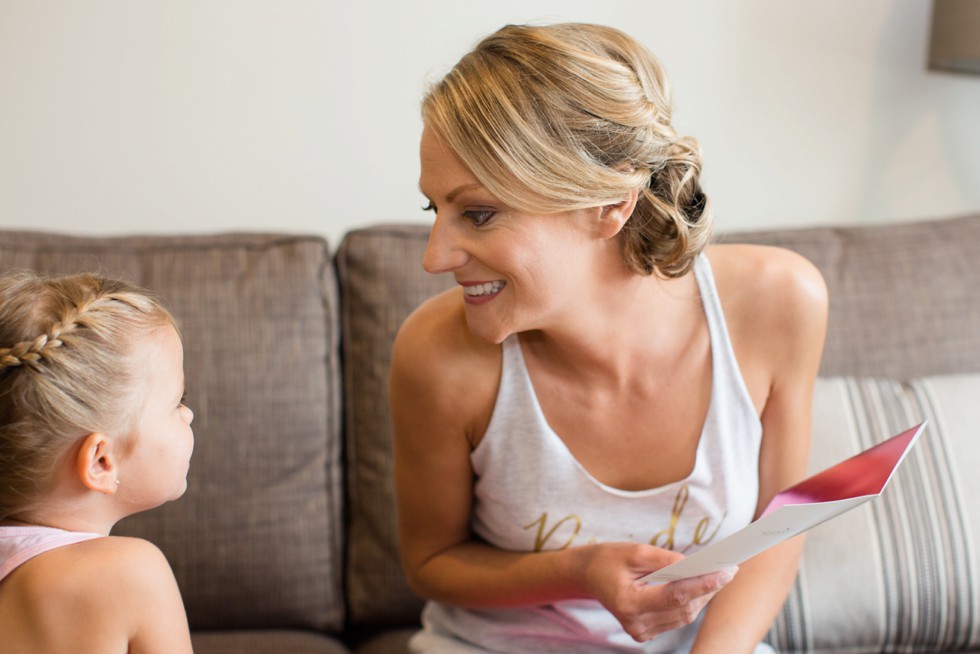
x,y
700,536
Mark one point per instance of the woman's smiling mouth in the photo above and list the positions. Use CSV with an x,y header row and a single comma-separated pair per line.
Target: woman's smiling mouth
x,y
483,290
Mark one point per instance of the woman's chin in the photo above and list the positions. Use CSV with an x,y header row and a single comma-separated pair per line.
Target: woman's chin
x,y
489,332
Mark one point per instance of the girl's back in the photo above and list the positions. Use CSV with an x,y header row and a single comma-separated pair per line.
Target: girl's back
x,y
102,596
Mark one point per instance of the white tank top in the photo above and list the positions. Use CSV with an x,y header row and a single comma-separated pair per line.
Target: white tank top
x,y
531,494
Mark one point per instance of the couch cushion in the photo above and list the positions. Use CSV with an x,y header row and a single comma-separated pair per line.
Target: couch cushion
x,y
265,642
901,573
880,278
381,281
255,542
904,298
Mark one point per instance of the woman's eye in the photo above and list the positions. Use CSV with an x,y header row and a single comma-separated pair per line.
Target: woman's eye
x,y
183,400
479,217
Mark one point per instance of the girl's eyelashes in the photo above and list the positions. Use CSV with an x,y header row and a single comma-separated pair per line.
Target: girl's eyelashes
x,y
429,207
183,399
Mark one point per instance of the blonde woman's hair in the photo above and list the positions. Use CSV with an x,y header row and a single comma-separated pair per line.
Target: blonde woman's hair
x,y
64,345
570,116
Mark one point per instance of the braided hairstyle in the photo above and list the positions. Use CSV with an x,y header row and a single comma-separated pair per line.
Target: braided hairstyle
x,y
64,345
571,116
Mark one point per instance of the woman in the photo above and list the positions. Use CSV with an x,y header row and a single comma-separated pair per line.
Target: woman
x,y
604,391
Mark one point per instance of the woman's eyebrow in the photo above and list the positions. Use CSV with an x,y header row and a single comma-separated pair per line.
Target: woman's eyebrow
x,y
459,189
456,191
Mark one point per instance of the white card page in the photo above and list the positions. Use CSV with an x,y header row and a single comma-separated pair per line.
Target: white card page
x,y
815,500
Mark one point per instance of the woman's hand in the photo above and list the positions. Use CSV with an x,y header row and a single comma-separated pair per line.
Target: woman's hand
x,y
610,572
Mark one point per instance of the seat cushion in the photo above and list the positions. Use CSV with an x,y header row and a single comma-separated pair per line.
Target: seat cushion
x,y
265,642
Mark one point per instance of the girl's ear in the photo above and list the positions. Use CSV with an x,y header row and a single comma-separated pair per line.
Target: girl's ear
x,y
96,464
612,217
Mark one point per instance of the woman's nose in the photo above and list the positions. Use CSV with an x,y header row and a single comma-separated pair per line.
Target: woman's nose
x,y
444,251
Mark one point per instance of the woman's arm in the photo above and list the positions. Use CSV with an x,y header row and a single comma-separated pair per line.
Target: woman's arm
x,y
442,388
786,334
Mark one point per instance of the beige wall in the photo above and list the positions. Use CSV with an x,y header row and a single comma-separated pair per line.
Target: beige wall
x,y
302,115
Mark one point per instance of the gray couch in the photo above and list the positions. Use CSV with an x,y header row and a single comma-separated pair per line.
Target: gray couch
x,y
285,540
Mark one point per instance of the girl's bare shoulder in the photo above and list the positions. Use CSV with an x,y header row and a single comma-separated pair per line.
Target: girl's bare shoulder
x,y
110,563
111,588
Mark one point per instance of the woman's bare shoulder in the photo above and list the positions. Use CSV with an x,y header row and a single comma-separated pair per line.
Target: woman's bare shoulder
x,y
435,357
775,304
770,281
435,338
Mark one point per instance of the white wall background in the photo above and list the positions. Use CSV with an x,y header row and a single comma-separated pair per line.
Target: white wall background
x,y
121,116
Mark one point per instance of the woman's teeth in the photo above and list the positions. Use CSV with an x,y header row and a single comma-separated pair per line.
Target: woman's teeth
x,y
487,288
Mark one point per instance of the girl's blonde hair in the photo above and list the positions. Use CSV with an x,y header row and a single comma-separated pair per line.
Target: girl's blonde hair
x,y
571,116
64,344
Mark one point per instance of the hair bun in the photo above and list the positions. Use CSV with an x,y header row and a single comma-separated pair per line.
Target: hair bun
x,y
569,116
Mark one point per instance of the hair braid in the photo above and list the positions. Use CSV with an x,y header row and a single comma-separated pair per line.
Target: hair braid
x,y
67,372
32,353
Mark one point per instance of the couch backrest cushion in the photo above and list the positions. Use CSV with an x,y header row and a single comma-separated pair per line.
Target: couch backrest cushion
x,y
255,542
381,281
903,297
903,303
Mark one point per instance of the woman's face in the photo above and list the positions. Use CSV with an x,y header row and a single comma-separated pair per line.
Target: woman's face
x,y
518,271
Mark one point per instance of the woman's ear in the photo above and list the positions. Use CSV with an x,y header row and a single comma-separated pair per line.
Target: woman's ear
x,y
96,464
612,217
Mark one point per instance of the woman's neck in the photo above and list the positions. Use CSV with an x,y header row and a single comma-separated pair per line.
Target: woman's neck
x,y
647,321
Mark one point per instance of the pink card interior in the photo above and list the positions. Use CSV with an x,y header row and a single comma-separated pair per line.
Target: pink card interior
x,y
861,475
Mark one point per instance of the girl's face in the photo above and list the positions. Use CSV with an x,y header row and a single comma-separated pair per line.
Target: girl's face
x,y
155,470
517,271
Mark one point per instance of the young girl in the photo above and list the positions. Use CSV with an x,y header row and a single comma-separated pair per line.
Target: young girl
x,y
92,429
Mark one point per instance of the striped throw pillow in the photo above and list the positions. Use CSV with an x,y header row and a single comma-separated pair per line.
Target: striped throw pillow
x,y
901,573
